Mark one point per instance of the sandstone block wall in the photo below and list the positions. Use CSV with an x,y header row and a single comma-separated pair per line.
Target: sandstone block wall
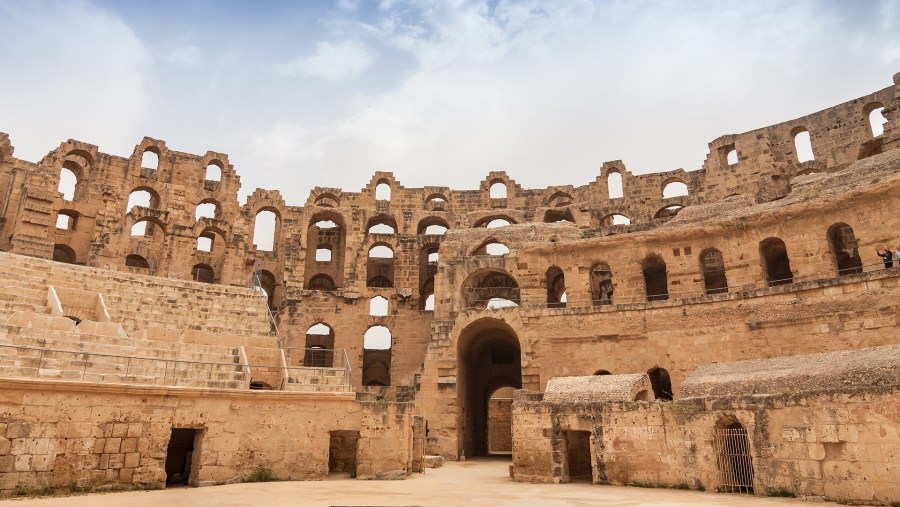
x,y
57,434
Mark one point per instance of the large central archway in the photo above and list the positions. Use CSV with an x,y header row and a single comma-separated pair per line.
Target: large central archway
x,y
489,357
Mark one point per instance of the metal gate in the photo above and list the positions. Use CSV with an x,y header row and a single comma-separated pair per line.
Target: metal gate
x,y
734,461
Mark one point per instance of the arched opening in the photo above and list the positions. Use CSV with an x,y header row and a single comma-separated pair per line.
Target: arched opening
x,y
264,230
493,222
712,265
327,200
206,209
144,197
733,459
669,211
489,358
675,189
428,259
382,225
376,370
602,372
492,247
321,282
556,288
136,261
326,237
876,119
205,242
497,223
429,303
559,199
656,280
490,288
150,160
319,350
68,182
213,172
380,267
614,219
498,190
433,230
775,261
323,253
265,281
553,216
383,191
803,145
845,249
66,220
662,384
732,157
614,185
378,306
601,284
63,253
147,227
203,273
499,421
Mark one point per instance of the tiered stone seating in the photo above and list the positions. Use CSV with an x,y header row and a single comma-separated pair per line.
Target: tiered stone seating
x,y
133,300
42,346
317,379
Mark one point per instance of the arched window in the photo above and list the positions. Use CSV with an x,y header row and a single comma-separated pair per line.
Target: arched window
x,y
376,369
655,279
662,384
382,228
436,202
877,120
327,200
68,181
213,172
264,230
601,284
669,211
206,209
63,253
491,288
383,191
675,189
712,264
803,145
498,190
602,372
620,220
497,223
321,282
205,242
556,288
845,249
614,185
732,157
429,303
432,226
203,273
136,261
150,160
435,230
378,306
145,228
776,263
553,216
380,267
323,253
319,351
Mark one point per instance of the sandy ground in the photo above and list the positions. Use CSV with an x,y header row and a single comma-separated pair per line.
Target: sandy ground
x,y
468,483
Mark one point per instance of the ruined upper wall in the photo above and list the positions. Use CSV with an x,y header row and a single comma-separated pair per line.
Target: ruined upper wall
x,y
869,368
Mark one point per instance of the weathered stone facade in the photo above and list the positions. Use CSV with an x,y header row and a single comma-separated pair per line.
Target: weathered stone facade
x,y
767,254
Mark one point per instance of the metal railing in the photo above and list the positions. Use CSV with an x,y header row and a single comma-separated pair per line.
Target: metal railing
x,y
256,284
124,368
701,292
306,363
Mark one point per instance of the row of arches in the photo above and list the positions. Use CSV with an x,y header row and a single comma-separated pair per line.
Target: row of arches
x,y
494,288
803,148
150,160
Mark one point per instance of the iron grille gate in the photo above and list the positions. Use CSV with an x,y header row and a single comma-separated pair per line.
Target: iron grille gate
x,y
734,461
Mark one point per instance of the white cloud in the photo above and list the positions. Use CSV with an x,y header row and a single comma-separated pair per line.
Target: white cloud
x,y
72,71
186,56
332,61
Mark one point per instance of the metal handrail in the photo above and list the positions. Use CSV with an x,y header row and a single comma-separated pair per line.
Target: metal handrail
x,y
256,283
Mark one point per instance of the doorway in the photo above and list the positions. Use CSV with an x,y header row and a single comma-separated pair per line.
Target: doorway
x,y
180,456
578,456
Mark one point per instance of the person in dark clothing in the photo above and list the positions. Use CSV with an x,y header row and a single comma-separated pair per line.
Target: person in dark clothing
x,y
887,257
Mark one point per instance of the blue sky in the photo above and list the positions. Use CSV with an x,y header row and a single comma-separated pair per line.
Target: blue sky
x,y
301,94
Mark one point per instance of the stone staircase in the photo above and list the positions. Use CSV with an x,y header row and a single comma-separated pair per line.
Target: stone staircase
x,y
101,352
134,300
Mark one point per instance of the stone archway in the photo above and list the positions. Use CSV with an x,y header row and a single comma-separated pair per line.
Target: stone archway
x,y
489,357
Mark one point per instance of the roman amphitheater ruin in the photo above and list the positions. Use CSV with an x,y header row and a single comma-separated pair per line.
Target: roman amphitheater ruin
x,y
730,328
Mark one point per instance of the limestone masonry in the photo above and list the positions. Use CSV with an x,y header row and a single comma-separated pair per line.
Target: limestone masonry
x,y
731,328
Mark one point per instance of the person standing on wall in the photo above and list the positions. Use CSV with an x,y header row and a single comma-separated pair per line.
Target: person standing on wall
x,y
887,256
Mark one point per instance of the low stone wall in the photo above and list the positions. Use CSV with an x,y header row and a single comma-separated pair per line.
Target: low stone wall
x,y
59,434
841,446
